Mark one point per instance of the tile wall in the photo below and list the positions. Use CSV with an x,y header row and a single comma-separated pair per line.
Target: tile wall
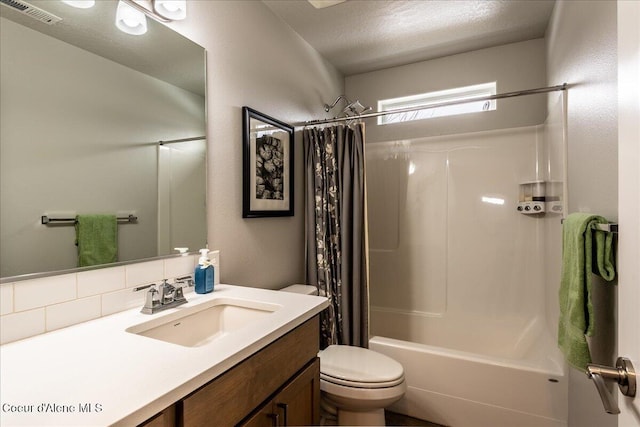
x,y
33,307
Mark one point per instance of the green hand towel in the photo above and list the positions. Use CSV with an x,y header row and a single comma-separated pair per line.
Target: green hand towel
x,y
97,239
576,309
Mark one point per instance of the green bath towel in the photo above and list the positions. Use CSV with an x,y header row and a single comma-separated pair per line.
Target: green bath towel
x,y
581,242
97,239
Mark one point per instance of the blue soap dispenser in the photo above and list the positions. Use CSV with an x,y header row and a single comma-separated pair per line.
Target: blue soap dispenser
x,y
203,274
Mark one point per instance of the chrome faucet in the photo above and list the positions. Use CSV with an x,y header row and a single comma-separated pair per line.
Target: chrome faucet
x,y
168,296
167,292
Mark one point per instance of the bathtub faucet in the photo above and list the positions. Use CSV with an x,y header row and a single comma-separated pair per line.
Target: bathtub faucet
x,y
623,374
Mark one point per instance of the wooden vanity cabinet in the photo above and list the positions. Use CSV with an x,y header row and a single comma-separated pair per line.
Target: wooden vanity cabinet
x,y
297,404
282,377
228,399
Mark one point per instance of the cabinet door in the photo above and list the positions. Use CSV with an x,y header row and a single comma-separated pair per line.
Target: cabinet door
x,y
166,418
264,418
298,404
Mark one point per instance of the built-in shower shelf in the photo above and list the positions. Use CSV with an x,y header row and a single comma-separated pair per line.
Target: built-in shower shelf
x,y
531,199
538,197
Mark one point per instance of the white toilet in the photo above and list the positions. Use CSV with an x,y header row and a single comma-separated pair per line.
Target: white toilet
x,y
357,383
360,383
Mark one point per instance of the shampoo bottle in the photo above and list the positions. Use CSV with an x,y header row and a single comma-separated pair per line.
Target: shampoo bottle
x,y
204,274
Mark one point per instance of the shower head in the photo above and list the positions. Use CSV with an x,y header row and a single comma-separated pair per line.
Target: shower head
x,y
355,108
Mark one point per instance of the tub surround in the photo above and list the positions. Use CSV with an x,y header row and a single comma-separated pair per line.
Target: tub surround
x,y
459,303
127,378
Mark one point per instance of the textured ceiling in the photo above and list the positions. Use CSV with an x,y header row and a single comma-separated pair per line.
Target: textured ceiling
x,y
365,35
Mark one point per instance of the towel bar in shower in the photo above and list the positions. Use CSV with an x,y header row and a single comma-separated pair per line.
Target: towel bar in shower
x,y
46,220
612,227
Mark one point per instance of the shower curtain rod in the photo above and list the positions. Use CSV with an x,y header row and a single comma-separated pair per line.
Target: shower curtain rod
x,y
173,141
563,86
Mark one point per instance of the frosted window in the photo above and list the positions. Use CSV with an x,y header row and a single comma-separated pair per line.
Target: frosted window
x,y
432,98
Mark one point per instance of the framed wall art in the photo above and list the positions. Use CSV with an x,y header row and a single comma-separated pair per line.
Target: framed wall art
x,y
267,173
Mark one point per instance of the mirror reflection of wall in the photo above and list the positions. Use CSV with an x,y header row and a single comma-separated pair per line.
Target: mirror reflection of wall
x,y
182,206
79,135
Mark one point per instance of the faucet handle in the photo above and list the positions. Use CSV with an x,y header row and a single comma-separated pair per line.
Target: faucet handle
x,y
152,300
140,288
179,284
186,280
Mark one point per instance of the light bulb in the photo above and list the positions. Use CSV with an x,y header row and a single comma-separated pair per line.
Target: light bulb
x,y
130,20
80,4
172,9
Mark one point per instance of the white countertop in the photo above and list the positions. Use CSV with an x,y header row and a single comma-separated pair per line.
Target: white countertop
x,y
126,378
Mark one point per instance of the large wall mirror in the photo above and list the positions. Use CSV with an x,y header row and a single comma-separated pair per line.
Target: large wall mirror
x,y
83,109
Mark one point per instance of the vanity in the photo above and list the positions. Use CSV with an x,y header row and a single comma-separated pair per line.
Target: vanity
x,y
253,362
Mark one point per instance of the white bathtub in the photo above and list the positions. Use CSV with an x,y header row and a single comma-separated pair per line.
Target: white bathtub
x,y
477,380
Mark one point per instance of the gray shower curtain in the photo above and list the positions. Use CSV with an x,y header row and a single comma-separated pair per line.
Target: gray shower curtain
x,y
336,246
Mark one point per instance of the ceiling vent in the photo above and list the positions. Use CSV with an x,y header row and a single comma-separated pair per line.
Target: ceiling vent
x,y
32,11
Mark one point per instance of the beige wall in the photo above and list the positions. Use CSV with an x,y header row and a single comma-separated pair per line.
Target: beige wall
x,y
581,50
254,59
514,67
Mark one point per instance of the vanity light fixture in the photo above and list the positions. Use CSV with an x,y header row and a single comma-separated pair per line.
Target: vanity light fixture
x,y
161,10
131,15
136,23
171,9
80,4
130,20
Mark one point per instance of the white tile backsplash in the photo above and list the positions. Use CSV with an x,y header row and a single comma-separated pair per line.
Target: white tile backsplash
x,y
17,326
101,281
45,291
144,272
6,298
72,312
32,307
125,299
181,266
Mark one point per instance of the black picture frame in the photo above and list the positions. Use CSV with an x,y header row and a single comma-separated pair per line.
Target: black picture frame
x,y
267,166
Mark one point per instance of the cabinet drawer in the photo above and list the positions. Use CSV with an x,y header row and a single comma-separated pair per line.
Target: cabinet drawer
x,y
229,398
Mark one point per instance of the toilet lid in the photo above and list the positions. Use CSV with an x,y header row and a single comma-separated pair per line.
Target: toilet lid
x,y
348,365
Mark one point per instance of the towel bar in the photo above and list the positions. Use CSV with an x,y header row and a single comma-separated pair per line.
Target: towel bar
x,y
45,220
612,227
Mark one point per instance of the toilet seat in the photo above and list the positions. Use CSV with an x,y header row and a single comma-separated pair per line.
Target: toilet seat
x,y
359,368
357,384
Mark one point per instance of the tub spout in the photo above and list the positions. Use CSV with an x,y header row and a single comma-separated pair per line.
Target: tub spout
x,y
623,374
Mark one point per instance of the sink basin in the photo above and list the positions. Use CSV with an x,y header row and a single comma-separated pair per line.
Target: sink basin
x,y
199,325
